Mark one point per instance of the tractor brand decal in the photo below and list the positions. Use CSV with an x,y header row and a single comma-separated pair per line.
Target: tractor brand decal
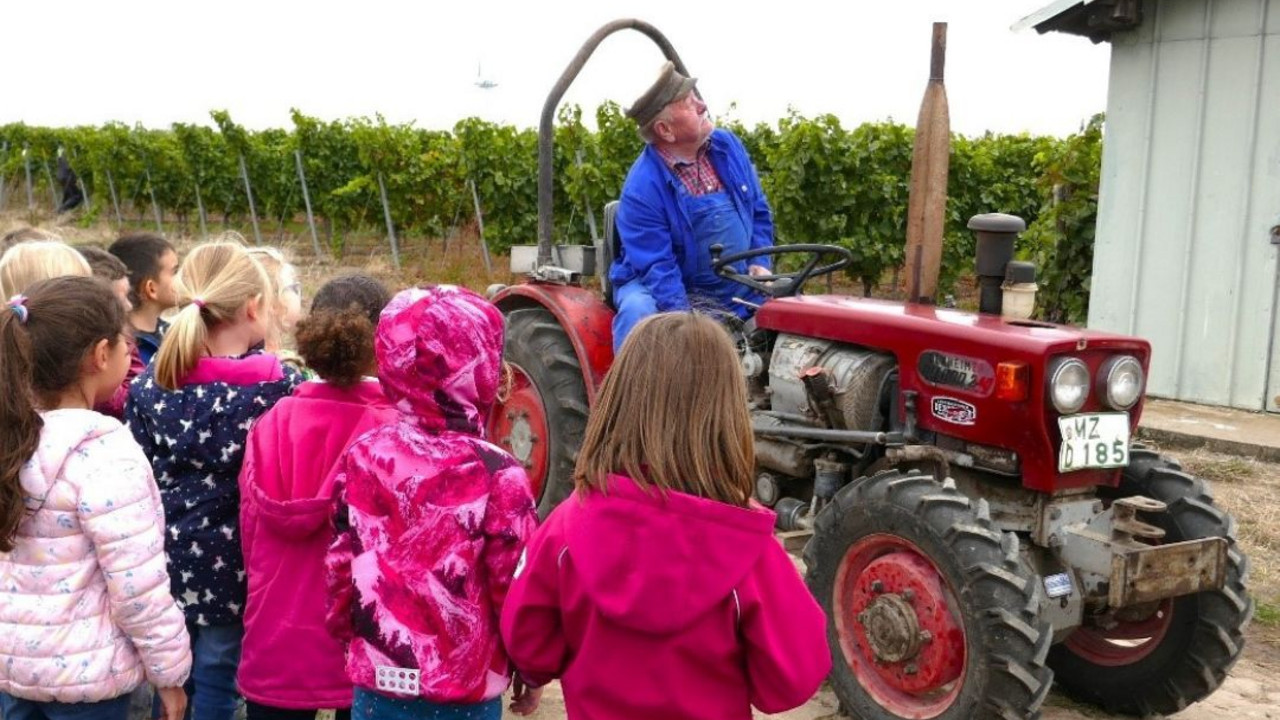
x,y
957,371
956,412
1056,586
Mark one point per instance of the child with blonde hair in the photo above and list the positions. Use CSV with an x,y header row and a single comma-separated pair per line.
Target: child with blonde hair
x,y
191,411
663,501
431,520
285,294
85,609
27,263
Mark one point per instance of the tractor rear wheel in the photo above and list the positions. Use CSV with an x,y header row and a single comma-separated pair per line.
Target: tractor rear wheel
x,y
545,416
1159,659
930,612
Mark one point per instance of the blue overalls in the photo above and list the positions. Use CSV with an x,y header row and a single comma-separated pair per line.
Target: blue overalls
x,y
715,220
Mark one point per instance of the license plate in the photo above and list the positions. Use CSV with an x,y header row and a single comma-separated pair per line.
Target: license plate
x,y
1094,440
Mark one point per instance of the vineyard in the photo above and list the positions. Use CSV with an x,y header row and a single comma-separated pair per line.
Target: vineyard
x,y
826,183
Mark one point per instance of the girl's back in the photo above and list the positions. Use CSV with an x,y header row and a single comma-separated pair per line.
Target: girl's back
x,y
436,517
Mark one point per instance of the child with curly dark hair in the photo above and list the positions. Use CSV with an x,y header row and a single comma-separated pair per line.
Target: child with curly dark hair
x,y
289,662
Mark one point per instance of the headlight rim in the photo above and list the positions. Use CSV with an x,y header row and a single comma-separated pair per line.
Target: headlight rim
x,y
1055,373
1109,368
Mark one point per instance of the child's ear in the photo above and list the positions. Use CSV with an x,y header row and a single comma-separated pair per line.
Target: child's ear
x,y
149,289
251,308
100,356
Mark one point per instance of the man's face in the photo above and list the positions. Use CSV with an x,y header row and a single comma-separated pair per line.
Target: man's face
x,y
690,123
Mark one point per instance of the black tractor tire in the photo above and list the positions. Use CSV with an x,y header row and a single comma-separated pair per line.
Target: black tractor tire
x,y
994,597
1205,635
539,346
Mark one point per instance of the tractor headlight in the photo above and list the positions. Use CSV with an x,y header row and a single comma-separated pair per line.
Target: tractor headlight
x,y
1069,385
1120,382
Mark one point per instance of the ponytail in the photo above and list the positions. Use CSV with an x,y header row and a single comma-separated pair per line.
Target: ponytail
x,y
20,423
43,341
216,280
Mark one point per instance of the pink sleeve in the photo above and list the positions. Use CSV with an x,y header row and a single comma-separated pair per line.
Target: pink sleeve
x,y
785,633
510,519
531,627
338,563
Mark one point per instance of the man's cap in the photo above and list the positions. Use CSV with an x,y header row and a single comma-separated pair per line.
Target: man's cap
x,y
671,85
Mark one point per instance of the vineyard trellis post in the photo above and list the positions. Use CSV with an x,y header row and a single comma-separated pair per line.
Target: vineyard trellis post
x,y
26,165
53,190
306,201
484,245
248,191
115,200
4,179
204,229
391,228
151,191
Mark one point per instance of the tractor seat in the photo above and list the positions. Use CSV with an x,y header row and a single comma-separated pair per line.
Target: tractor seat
x,y
609,249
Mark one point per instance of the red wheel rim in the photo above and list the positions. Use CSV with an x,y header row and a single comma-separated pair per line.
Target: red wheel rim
x,y
897,626
1125,643
520,426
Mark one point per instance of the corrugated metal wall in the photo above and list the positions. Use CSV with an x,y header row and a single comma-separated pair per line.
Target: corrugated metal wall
x,y
1190,190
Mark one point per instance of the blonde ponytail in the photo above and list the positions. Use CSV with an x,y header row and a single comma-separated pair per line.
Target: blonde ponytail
x,y
216,280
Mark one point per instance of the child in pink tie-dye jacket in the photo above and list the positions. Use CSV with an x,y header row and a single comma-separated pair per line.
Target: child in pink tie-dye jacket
x,y
431,519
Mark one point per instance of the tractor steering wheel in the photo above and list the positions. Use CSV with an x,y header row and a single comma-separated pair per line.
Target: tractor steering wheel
x,y
780,285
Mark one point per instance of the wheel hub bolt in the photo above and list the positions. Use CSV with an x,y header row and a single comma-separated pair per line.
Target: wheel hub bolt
x,y
909,595
877,586
911,669
925,636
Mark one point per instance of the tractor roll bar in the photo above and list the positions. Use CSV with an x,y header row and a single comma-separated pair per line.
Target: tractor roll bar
x,y
546,134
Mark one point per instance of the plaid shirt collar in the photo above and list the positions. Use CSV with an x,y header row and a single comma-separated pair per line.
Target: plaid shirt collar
x,y
698,175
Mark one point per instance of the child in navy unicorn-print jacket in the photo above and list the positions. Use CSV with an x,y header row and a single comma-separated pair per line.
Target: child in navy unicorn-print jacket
x,y
191,411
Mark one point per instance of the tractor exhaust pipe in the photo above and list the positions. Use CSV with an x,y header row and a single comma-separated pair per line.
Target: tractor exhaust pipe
x,y
995,233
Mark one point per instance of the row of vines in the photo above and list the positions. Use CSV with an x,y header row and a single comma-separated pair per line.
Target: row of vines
x,y
826,183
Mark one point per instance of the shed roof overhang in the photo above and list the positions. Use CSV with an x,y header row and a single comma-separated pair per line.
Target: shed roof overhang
x,y
1094,19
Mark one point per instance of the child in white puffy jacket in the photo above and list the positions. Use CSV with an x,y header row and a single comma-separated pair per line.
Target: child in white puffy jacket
x,y
85,610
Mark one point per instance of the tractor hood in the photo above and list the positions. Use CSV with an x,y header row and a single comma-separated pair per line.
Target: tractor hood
x,y
882,323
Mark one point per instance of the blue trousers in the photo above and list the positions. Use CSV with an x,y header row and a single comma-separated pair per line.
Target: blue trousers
x,y
369,705
12,708
211,689
634,303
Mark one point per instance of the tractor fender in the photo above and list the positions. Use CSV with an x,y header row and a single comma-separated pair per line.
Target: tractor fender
x,y
585,318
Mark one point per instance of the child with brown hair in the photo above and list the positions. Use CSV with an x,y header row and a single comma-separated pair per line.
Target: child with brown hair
x,y
191,411
109,269
153,264
289,665
85,609
663,502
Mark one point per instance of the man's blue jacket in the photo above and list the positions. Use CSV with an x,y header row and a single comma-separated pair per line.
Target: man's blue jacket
x,y
655,230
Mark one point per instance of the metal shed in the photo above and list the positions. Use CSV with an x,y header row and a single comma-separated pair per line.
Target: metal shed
x,y
1189,210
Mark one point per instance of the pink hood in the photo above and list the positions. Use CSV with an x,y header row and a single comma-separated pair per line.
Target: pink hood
x,y
649,605
286,490
440,356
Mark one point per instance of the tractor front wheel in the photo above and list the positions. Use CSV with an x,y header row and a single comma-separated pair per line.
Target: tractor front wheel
x,y
544,417
1160,658
930,612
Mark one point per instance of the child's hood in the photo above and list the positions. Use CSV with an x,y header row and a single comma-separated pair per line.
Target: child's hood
x,y
657,562
64,434
440,356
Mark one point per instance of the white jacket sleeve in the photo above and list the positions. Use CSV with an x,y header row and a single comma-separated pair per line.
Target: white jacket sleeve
x,y
120,511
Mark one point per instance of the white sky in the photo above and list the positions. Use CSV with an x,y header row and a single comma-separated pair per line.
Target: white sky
x,y
77,61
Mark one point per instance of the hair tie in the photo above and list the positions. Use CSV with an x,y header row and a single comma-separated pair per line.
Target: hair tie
x,y
18,304
198,302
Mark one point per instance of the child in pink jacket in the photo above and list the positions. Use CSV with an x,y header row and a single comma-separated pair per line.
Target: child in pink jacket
x,y
431,521
85,611
289,665
658,590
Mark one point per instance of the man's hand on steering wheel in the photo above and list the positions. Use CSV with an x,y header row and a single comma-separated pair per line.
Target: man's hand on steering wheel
x,y
775,284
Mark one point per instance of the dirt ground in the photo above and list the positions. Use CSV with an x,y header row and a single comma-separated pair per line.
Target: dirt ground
x,y
1249,489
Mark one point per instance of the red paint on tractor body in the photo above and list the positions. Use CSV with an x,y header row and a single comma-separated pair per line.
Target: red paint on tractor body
x,y
908,331
585,318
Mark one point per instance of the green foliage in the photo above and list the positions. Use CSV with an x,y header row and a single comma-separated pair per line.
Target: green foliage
x,y
1060,241
826,183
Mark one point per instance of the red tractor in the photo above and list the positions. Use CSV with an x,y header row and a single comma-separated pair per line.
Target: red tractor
x,y
981,523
